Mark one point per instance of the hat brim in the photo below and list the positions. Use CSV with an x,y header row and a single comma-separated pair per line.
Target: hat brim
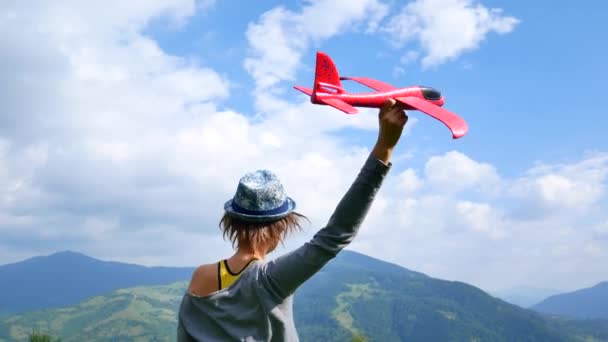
x,y
291,205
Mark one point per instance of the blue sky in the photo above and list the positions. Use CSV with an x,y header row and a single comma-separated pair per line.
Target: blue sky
x,y
124,128
534,92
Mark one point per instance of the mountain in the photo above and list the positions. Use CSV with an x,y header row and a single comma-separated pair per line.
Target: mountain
x,y
591,302
67,278
385,302
524,296
354,297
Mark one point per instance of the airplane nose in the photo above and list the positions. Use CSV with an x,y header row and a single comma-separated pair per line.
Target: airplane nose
x,y
430,93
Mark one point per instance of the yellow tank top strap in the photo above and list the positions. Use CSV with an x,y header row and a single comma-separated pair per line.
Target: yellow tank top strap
x,y
225,275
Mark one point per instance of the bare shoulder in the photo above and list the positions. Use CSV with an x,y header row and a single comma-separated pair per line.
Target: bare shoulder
x,y
204,280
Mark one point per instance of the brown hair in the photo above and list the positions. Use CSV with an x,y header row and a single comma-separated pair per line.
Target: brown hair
x,y
260,235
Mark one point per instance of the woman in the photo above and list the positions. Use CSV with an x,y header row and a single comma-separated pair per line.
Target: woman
x,y
245,299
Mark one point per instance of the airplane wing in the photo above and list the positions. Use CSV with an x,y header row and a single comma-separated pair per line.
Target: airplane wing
x,y
341,105
374,84
457,126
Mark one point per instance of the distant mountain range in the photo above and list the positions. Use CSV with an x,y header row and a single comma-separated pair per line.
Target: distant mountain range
x,y
585,303
354,297
67,278
525,296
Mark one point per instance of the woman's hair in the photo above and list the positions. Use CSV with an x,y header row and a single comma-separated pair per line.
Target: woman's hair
x,y
260,235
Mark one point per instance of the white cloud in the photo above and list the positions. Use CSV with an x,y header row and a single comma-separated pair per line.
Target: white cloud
x,y
409,181
455,171
431,225
291,33
563,192
78,69
88,122
481,217
445,29
575,187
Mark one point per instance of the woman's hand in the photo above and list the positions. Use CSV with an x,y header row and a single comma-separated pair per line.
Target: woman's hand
x,y
392,119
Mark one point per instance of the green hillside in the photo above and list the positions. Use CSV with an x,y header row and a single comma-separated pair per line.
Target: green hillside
x,y
384,302
134,314
354,298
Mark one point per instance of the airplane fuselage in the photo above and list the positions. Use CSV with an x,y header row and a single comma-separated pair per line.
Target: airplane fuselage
x,y
376,99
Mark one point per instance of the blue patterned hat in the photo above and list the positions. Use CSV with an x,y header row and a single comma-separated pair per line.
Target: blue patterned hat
x,y
259,198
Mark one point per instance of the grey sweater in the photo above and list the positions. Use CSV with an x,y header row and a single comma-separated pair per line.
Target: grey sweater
x,y
258,306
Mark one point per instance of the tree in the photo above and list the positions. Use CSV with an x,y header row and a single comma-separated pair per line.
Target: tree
x,y
359,338
39,337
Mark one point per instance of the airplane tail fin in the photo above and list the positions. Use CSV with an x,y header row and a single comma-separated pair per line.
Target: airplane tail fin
x,y
327,79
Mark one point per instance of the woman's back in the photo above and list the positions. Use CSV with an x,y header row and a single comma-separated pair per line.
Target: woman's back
x,y
244,311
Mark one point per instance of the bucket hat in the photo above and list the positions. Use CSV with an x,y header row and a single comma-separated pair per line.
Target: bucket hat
x,y
259,197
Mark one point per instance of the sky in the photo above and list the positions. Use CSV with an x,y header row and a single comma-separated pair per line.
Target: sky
x,y
126,125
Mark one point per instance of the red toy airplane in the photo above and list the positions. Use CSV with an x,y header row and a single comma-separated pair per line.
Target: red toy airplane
x,y
328,91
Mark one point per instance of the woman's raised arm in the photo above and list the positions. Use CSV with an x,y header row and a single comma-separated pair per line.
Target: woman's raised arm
x,y
285,274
